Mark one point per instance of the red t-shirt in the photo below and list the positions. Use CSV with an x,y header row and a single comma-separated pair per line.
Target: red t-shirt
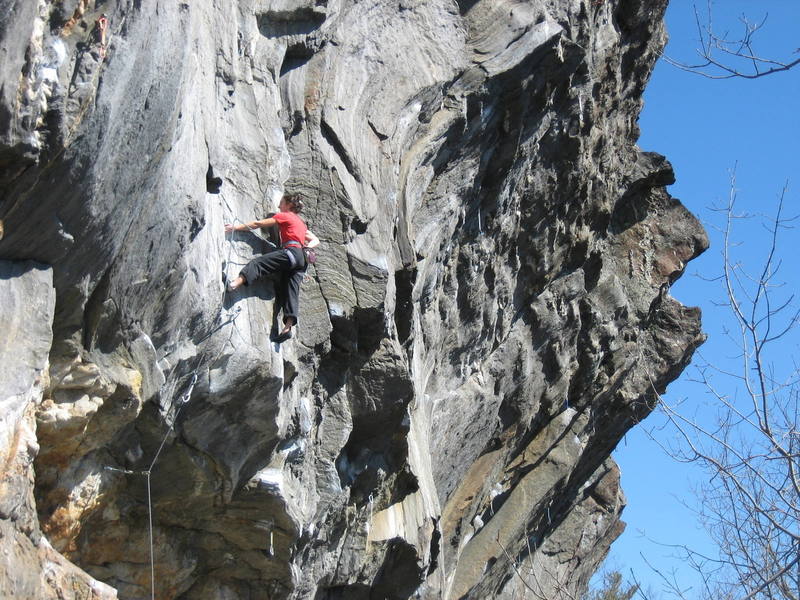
x,y
292,227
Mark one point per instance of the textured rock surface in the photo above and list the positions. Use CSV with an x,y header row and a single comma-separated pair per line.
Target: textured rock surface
x,y
489,314
29,566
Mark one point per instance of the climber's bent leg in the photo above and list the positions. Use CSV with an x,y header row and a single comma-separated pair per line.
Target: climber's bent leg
x,y
265,265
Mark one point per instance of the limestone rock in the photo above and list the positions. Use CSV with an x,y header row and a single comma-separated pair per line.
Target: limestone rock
x,y
29,566
488,316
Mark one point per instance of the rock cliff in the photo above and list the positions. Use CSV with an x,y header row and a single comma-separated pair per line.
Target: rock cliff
x,y
488,315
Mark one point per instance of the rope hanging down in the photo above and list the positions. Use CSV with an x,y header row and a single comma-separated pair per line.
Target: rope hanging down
x,y
182,401
148,472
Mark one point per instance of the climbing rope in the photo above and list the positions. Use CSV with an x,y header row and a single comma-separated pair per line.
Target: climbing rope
x,y
147,474
181,402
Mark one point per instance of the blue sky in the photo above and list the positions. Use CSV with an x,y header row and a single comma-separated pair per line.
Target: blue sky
x,y
706,128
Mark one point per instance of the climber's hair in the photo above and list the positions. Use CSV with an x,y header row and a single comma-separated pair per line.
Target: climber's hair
x,y
294,201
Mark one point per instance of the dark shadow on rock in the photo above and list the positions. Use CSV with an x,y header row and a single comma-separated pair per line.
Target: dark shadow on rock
x,y
356,591
279,23
213,182
400,573
13,269
258,244
295,57
652,171
398,577
464,6
263,289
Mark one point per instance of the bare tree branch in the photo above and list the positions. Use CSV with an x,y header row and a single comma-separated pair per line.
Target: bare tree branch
x,y
750,502
738,56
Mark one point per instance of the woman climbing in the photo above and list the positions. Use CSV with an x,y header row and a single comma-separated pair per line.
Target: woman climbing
x,y
289,260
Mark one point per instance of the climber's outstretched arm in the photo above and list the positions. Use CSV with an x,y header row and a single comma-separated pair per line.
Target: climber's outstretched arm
x,y
251,225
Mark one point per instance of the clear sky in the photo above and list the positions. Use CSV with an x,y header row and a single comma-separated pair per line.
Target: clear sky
x,y
706,128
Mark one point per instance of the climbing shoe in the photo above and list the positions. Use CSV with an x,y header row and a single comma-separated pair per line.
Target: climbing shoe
x,y
282,337
227,283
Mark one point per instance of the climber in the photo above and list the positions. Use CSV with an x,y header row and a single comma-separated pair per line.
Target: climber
x,y
101,27
289,260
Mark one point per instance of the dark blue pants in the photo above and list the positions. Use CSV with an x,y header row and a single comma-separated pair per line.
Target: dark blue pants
x,y
278,265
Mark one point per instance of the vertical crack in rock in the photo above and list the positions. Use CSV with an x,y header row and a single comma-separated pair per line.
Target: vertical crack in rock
x,y
488,315
329,135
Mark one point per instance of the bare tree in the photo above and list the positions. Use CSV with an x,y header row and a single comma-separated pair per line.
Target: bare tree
x,y
750,502
726,55
613,587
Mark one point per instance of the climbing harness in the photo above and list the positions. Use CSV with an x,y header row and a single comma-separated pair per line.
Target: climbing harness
x,y
292,259
308,253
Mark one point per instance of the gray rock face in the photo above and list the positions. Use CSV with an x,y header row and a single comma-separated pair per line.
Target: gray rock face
x,y
489,313
29,566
